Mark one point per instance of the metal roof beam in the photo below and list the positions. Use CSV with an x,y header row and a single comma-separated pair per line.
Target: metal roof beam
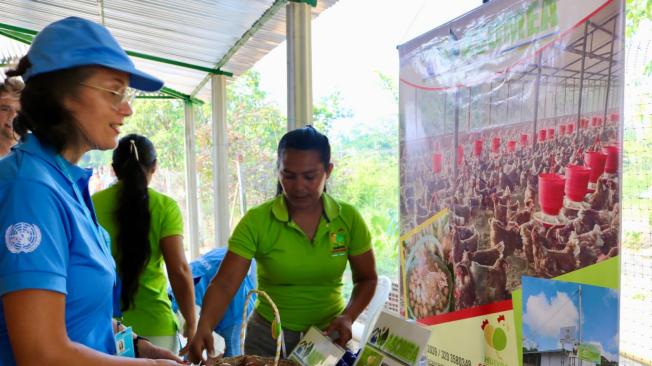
x,y
587,53
579,40
269,13
27,36
600,27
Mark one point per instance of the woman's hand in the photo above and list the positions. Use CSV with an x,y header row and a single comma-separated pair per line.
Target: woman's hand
x,y
202,340
148,350
340,330
189,331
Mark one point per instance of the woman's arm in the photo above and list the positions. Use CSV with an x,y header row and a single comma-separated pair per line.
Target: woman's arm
x,y
218,296
363,268
37,330
180,280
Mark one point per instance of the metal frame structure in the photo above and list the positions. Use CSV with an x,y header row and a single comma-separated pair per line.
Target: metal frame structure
x,y
592,73
187,44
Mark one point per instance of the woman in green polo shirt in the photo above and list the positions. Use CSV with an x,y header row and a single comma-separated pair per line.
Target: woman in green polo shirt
x,y
146,229
302,240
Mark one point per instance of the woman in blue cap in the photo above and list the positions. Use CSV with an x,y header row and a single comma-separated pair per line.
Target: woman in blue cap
x,y
56,269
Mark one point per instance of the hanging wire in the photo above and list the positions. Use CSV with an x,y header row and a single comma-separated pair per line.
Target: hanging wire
x,y
414,19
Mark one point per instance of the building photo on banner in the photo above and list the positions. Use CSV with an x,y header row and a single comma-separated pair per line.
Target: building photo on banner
x,y
510,163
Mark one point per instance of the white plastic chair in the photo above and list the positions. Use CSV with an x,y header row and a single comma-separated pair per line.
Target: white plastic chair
x,y
383,288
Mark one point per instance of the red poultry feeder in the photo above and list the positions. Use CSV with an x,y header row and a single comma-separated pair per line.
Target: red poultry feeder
x,y
611,164
577,182
551,133
436,163
477,147
511,145
551,193
562,130
570,128
614,117
460,155
542,135
495,145
596,161
524,139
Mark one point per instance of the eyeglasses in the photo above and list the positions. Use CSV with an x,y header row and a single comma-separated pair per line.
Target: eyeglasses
x,y
126,95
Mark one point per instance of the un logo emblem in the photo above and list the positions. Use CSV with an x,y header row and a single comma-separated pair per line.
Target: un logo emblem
x,y
22,237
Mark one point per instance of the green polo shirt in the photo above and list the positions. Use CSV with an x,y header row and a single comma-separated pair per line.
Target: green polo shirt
x,y
303,277
152,312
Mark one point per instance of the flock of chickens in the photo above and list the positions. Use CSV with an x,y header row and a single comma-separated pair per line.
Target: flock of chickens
x,y
492,237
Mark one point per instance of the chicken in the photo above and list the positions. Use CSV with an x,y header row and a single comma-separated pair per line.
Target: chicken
x,y
526,238
490,281
508,234
600,197
553,239
521,215
612,196
550,263
530,195
590,245
464,292
610,237
464,239
462,210
612,253
570,213
564,232
488,256
587,219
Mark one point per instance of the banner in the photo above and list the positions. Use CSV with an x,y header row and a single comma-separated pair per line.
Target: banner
x,y
393,342
510,162
315,349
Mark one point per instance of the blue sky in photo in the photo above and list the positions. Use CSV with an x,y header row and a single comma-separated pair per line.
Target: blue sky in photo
x,y
549,305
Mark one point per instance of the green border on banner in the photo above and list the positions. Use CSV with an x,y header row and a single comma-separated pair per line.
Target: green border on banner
x,y
604,274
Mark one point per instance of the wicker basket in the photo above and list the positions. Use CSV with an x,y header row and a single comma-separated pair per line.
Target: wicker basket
x,y
255,360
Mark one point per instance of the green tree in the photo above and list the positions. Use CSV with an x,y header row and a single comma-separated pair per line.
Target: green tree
x,y
638,11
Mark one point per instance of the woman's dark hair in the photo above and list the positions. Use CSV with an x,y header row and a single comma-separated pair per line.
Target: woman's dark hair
x,y
134,157
306,138
42,110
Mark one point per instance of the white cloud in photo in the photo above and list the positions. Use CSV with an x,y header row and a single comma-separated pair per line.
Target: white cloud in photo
x,y
614,342
546,316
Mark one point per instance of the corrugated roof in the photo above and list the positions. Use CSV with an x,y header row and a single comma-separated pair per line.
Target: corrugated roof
x,y
231,35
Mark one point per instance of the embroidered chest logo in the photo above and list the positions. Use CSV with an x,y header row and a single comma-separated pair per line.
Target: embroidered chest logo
x,y
22,237
338,242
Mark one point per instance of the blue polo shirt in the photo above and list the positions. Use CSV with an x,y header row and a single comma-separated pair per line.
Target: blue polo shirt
x,y
51,240
204,269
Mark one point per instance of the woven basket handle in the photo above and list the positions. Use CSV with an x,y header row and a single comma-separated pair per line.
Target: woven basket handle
x,y
277,317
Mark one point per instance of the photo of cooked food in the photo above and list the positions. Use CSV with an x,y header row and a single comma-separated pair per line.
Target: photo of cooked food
x,y
509,175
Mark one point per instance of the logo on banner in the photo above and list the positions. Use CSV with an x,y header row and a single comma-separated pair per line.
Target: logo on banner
x,y
495,335
22,237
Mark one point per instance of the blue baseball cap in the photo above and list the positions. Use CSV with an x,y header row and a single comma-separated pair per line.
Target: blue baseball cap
x,y
74,42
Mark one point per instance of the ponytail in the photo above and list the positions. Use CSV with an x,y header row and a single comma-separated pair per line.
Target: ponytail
x,y
134,157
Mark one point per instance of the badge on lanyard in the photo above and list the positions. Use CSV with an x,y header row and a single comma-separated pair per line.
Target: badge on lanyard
x,y
124,343
338,242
